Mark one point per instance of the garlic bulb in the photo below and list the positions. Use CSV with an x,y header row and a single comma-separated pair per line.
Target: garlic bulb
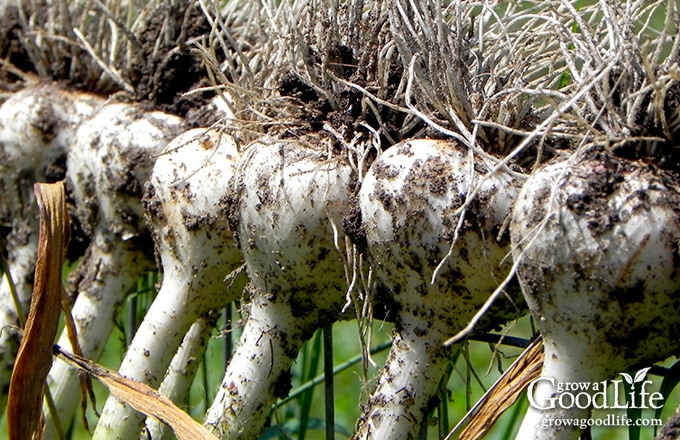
x,y
108,163
288,196
597,239
409,201
187,205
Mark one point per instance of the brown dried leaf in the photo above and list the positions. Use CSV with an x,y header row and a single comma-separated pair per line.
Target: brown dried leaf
x,y
142,398
27,386
505,392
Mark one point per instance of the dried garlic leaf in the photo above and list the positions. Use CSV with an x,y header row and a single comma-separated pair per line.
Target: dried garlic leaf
x,y
27,387
142,398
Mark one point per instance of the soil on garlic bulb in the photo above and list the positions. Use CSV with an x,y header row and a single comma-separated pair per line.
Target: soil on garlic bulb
x,y
598,241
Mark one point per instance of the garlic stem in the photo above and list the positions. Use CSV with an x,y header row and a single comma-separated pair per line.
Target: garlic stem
x,y
103,279
182,371
109,161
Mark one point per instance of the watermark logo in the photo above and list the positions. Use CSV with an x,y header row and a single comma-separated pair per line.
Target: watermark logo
x,y
585,395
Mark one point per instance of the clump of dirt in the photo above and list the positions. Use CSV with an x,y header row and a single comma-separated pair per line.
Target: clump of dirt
x,y
320,70
292,86
156,61
352,226
347,111
607,175
31,55
166,68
